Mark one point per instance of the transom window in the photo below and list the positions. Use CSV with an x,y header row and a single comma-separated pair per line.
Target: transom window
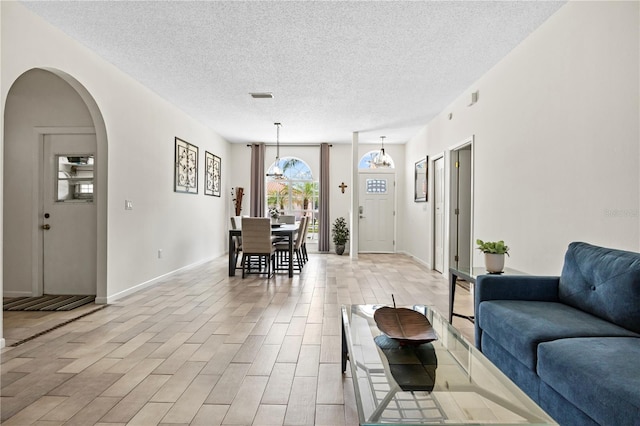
x,y
366,162
293,169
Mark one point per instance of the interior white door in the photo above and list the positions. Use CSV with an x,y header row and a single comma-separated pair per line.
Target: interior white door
x,y
376,215
461,214
439,214
68,222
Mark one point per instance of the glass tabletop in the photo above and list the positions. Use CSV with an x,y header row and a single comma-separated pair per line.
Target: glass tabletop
x,y
447,381
472,273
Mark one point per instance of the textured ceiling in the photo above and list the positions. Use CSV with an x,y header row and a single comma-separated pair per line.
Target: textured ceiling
x,y
380,68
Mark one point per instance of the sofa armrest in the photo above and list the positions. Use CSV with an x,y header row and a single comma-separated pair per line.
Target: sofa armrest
x,y
512,287
516,287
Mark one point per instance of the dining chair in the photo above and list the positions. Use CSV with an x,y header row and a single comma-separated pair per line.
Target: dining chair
x,y
303,247
288,219
282,249
256,242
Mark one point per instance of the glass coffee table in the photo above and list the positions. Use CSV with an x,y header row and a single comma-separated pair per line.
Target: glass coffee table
x,y
447,381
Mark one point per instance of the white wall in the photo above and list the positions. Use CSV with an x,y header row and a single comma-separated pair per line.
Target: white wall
x,y
415,226
556,139
140,128
340,204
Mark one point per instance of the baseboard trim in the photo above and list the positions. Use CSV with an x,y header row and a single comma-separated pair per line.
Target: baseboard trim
x,y
418,260
154,281
17,294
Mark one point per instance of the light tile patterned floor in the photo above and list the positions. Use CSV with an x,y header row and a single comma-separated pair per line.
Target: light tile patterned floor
x,y
206,349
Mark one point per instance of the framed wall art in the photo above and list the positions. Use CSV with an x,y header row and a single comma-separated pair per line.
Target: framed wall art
x,y
186,167
212,174
421,176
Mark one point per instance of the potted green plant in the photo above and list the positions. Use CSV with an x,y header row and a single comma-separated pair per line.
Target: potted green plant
x,y
494,252
340,234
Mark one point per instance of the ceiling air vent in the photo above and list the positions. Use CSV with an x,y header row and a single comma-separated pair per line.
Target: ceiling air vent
x,y
262,95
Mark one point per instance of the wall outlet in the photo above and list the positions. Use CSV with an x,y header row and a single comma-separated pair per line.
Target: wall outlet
x,y
128,205
159,253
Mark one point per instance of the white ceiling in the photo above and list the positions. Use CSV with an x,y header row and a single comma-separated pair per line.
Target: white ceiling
x,y
380,68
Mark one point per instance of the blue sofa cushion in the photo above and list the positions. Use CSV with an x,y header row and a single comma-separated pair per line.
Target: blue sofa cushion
x,y
599,376
604,282
521,325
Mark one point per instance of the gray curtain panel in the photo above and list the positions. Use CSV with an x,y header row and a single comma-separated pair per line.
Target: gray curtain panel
x,y
324,218
257,180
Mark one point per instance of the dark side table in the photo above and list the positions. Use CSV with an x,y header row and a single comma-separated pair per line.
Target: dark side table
x,y
469,275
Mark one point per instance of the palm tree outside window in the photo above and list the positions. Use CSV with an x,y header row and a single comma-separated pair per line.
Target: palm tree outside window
x,y
296,193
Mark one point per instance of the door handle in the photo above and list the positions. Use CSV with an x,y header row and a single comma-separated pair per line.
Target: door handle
x,y
362,217
46,226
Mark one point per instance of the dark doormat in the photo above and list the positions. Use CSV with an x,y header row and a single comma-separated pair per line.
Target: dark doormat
x,y
46,303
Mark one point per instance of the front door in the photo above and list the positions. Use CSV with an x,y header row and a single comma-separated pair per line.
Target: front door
x,y
68,219
376,213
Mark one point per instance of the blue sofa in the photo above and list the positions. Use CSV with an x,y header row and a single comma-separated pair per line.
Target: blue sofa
x,y
572,343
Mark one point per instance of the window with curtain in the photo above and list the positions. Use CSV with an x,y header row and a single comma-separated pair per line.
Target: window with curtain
x,y
296,193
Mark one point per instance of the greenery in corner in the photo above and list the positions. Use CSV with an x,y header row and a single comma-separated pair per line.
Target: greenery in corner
x,y
494,247
340,231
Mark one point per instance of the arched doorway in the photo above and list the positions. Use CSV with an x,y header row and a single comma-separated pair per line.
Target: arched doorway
x,y
45,106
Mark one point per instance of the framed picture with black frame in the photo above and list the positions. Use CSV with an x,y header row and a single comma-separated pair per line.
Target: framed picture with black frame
x,y
212,174
186,167
421,181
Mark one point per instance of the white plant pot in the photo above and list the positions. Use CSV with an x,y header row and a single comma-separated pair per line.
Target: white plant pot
x,y
494,262
274,220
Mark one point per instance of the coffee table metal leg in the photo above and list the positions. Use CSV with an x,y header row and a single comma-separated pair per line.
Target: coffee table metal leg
x,y
345,351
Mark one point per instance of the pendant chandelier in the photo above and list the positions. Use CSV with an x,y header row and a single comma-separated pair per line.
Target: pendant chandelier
x,y
382,160
276,172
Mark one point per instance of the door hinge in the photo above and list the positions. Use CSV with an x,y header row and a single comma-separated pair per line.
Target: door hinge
x,y
457,211
457,164
456,258
394,212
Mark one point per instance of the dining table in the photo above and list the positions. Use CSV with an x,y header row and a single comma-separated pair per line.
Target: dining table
x,y
287,231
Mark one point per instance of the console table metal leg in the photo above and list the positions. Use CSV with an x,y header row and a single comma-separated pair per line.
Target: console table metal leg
x,y
452,292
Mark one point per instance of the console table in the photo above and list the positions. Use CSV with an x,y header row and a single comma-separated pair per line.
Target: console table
x,y
469,275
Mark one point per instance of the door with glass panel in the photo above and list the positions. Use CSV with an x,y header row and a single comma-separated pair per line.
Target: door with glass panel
x,y
376,213
68,215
